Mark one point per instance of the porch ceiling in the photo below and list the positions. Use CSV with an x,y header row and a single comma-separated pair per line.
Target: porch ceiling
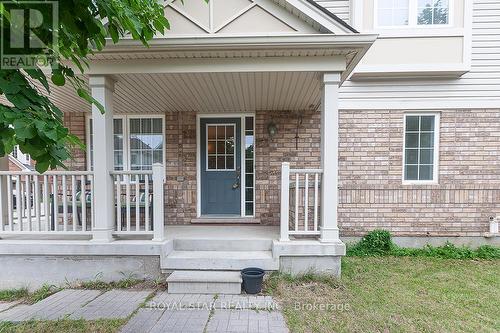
x,y
221,74
205,92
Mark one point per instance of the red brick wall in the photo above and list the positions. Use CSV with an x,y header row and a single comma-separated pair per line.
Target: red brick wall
x,y
76,123
371,156
270,153
180,196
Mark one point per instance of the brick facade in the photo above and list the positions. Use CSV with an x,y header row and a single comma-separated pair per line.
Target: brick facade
x,y
371,151
76,123
372,196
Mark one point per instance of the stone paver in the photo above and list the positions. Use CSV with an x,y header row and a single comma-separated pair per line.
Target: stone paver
x,y
245,302
251,321
56,306
182,321
112,304
7,305
164,300
143,321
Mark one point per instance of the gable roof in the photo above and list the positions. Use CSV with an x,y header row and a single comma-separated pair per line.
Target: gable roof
x,y
251,17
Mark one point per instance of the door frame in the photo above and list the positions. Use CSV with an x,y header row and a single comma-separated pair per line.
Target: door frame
x,y
242,116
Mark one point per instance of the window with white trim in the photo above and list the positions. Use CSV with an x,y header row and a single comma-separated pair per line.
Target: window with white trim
x,y
412,13
146,142
138,142
393,12
421,136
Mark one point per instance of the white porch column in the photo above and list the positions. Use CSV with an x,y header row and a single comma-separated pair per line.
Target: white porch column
x,y
102,90
329,157
4,166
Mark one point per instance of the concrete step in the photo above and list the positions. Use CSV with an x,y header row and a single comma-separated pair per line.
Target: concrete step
x,y
198,244
219,260
203,282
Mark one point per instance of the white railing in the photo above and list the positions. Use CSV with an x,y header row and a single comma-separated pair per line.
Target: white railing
x,y
301,187
138,201
53,202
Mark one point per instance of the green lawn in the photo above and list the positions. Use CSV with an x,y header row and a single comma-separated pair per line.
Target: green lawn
x,y
375,294
64,326
395,294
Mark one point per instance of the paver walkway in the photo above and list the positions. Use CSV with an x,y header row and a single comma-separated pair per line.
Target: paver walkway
x,y
197,313
86,304
172,313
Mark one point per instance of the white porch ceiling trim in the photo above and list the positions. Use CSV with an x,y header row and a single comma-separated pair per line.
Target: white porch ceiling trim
x,y
271,42
340,53
220,65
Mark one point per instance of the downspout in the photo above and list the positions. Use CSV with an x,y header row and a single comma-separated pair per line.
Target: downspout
x,y
494,221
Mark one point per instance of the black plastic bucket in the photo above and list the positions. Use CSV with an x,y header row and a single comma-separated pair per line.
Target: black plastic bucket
x,y
252,279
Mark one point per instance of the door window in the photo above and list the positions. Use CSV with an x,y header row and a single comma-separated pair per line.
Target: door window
x,y
220,147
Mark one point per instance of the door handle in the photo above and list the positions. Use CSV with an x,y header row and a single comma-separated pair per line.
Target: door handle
x,y
236,185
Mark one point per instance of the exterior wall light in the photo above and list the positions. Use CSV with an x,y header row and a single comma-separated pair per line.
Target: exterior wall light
x,y
272,129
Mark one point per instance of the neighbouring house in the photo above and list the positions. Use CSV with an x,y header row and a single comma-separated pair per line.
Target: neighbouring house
x,y
263,133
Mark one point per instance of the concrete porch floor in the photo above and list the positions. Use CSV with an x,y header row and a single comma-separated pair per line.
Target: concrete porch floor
x,y
233,232
230,232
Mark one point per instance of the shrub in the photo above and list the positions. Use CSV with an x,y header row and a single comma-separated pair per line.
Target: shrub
x,y
376,242
488,252
379,242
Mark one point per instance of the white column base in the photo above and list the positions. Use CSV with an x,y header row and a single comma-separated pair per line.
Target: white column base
x,y
329,235
102,235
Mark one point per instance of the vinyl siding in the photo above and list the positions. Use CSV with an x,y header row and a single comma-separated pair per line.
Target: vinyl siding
x,y
338,7
479,88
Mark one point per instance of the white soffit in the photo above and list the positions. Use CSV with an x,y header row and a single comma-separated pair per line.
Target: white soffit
x,y
204,92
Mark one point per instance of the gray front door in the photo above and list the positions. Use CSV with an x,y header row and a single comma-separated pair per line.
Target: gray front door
x,y
220,140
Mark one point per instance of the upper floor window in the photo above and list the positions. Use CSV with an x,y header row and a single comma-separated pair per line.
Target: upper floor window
x,y
433,12
421,148
393,12
411,13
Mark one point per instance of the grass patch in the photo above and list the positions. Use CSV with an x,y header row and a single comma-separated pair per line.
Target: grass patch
x,y
128,282
10,295
272,282
394,294
64,325
379,243
25,296
41,293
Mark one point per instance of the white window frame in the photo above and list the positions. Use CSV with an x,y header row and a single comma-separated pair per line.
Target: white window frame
x,y
412,18
225,155
435,167
126,137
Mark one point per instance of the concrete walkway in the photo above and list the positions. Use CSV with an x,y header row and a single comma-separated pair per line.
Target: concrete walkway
x,y
164,312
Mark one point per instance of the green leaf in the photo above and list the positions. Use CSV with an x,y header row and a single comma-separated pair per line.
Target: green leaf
x,y
58,79
42,166
113,32
86,96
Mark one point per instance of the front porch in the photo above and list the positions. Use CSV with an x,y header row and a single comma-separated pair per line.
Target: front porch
x,y
261,125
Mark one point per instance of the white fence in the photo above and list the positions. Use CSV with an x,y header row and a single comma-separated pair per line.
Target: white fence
x,y
139,201
55,202
300,201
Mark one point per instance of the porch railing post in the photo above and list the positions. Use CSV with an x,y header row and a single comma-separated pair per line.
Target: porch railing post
x,y
285,201
4,166
102,90
158,203
329,157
